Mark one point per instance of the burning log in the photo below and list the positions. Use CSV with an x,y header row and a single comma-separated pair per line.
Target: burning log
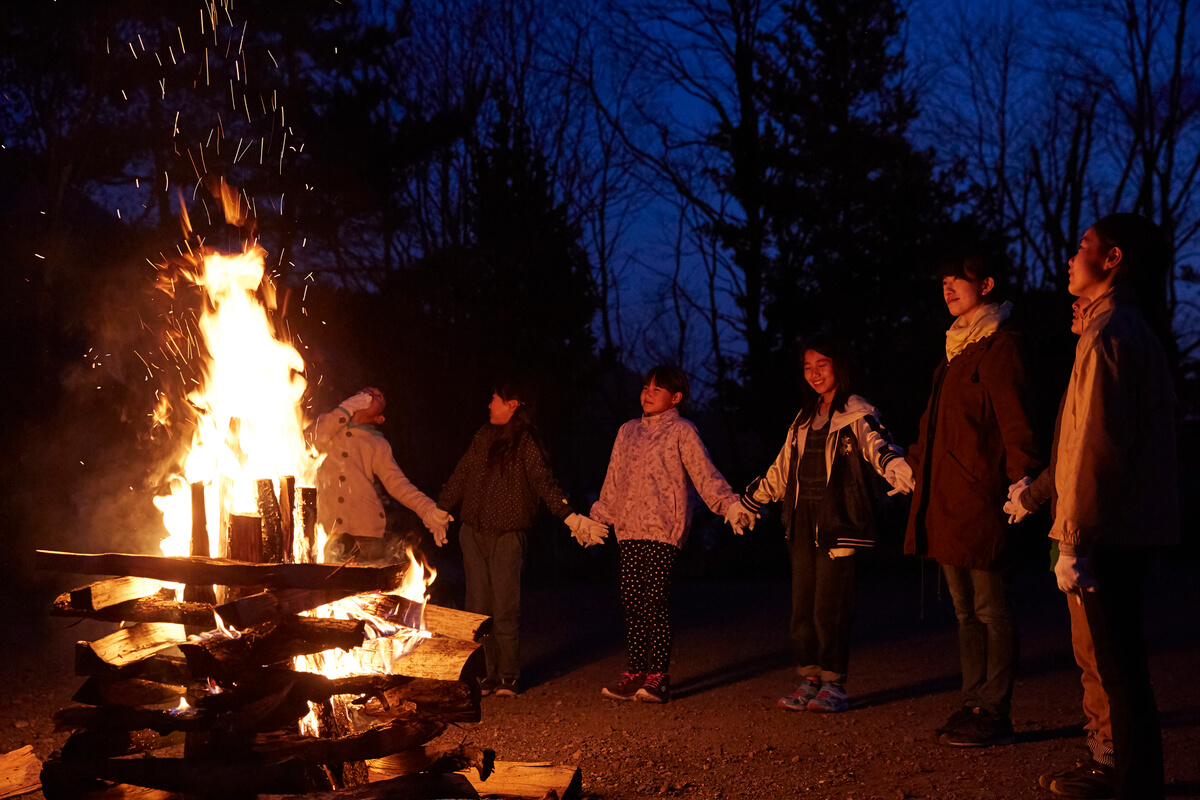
x,y
273,546
227,572
127,646
97,691
306,505
276,604
271,643
102,594
376,742
195,776
245,538
199,546
145,609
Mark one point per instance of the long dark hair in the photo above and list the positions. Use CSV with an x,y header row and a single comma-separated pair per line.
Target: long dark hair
x,y
504,450
835,351
1145,265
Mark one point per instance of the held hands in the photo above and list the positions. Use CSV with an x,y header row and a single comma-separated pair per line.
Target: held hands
x,y
438,522
586,530
900,475
739,517
1074,572
1013,506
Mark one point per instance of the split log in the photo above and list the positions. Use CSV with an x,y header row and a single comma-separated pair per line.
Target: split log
x,y
377,742
306,523
103,594
287,516
422,786
245,538
128,646
19,772
447,622
275,604
199,593
163,668
435,759
446,701
272,550
98,691
194,776
145,609
436,658
89,744
121,718
227,572
271,643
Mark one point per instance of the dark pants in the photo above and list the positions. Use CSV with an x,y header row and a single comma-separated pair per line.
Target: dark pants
x,y
646,569
493,572
987,636
1114,616
822,610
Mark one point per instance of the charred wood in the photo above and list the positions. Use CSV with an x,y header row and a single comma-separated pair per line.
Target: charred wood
x,y
159,608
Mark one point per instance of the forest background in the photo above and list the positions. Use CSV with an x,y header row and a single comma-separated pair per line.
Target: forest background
x,y
450,192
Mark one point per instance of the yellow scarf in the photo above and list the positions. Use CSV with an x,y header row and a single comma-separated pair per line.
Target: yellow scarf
x,y
984,322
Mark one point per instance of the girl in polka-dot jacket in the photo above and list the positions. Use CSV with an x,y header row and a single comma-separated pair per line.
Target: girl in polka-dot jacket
x,y
646,497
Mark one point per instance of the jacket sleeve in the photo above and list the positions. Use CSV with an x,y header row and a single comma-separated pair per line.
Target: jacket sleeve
x,y
605,509
541,479
456,487
1039,491
915,455
329,425
711,485
397,485
1008,389
1101,443
770,486
875,442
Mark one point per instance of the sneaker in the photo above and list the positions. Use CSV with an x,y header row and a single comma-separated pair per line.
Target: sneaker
x,y
508,688
798,700
488,686
655,689
626,687
957,720
830,700
982,729
1092,781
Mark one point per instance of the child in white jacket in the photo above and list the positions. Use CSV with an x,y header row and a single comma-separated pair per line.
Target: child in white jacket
x,y
354,453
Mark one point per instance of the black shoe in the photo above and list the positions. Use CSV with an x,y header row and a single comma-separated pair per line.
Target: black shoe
x,y
982,729
508,688
626,688
1090,781
488,686
957,719
655,689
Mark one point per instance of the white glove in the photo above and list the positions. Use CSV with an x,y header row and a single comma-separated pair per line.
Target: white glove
x,y
586,530
358,402
900,475
438,522
840,552
1074,572
1013,506
739,517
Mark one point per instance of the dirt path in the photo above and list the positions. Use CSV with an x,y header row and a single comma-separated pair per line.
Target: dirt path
x,y
722,736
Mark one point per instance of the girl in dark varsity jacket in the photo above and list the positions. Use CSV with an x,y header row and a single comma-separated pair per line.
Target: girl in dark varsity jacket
x,y
822,475
499,482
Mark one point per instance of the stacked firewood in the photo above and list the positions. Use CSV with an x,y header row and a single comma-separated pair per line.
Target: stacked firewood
x,y
181,702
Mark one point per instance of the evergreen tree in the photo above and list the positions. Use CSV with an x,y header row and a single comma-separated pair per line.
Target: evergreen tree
x,y
851,207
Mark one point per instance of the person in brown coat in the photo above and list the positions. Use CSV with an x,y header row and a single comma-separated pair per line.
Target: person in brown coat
x,y
974,441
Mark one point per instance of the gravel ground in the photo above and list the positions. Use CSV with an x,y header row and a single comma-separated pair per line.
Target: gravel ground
x,y
722,735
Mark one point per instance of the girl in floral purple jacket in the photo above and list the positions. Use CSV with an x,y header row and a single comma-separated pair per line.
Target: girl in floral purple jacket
x,y
646,497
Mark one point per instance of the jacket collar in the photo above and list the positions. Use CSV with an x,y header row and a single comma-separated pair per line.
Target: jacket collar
x,y
670,415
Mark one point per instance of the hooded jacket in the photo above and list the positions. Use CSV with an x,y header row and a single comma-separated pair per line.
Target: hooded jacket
x,y
856,439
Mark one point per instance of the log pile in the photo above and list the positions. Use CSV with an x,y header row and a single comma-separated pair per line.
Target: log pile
x,y
166,711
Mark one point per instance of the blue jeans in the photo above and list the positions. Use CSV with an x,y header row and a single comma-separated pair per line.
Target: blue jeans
x,y
493,573
987,636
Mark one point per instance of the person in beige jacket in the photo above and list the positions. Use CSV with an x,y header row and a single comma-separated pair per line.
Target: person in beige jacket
x,y
1116,487
353,454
